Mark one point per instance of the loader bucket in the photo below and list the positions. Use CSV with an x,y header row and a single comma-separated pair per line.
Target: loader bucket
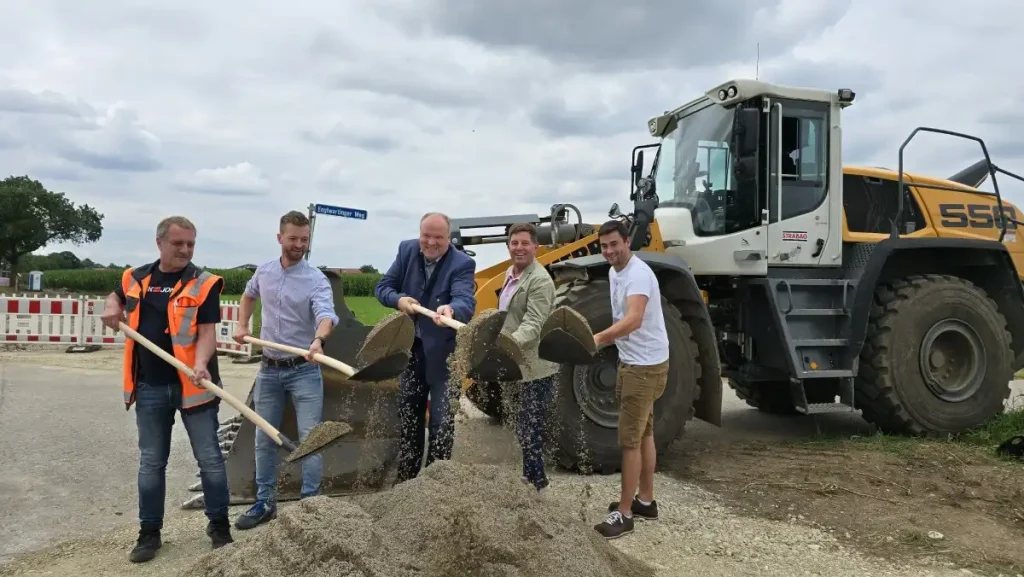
x,y
362,461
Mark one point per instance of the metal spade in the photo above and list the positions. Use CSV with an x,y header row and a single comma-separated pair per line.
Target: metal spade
x,y
493,355
566,337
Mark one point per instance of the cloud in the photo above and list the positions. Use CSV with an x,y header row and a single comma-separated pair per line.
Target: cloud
x,y
605,34
233,113
238,180
76,132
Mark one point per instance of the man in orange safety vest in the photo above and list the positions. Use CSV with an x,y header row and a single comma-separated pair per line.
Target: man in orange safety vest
x,y
174,304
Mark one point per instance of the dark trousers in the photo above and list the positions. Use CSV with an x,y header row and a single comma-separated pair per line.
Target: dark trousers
x,y
155,406
413,390
534,397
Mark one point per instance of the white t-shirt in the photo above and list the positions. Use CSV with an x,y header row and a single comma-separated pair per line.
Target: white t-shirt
x,y
648,345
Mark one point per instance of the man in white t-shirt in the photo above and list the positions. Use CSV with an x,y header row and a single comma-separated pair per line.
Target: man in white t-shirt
x,y
638,331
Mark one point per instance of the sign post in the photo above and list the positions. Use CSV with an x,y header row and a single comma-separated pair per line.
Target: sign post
x,y
328,210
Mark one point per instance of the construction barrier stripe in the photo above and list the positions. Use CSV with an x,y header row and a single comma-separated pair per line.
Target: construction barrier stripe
x,y
76,320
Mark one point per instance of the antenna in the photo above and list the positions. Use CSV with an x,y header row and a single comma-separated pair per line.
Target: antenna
x,y
757,64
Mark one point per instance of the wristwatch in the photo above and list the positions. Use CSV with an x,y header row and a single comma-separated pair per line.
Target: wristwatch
x,y
321,339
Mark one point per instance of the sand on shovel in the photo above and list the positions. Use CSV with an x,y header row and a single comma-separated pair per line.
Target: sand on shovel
x,y
392,334
453,520
319,436
566,337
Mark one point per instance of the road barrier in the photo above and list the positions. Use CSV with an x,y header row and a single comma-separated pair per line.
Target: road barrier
x,y
75,320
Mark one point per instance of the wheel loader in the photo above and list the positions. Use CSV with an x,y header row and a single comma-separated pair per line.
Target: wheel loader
x,y
806,285
809,286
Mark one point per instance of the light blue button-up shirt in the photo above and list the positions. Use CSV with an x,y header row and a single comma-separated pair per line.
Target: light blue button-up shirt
x,y
295,300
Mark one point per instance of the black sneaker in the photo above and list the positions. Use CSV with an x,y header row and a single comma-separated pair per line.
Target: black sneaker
x,y
615,525
645,512
146,546
219,532
257,514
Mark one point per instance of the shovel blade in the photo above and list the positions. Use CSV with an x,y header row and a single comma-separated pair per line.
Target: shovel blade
x,y
319,438
566,337
495,366
486,333
493,355
392,334
383,369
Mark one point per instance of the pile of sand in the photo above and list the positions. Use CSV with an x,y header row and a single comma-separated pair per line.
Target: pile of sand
x,y
454,520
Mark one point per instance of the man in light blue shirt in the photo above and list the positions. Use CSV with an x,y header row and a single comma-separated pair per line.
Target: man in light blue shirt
x,y
298,310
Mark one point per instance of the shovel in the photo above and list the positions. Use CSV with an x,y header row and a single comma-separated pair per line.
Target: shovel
x,y
494,355
566,337
319,437
392,334
383,369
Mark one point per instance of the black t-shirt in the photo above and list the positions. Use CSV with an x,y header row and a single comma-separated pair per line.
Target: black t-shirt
x,y
153,325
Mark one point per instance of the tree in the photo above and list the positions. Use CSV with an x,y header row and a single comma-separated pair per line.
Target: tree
x,y
368,269
32,217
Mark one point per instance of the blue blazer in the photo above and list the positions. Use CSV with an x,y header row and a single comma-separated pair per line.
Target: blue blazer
x,y
454,286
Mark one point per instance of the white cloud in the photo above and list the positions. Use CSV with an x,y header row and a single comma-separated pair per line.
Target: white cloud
x,y
242,179
236,112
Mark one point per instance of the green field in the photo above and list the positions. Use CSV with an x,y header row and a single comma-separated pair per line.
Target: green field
x,y
366,309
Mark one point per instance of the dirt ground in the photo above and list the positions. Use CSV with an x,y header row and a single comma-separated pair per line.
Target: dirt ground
x,y
757,497
895,499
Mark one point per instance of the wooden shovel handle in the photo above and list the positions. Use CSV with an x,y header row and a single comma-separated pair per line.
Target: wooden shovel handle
x,y
452,323
324,359
226,396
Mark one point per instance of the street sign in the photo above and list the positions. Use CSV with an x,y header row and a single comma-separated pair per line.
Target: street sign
x,y
329,210
340,211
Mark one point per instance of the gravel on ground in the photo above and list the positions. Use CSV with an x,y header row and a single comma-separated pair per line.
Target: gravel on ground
x,y
74,488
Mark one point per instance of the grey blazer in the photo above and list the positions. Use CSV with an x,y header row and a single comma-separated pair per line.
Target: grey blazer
x,y
531,304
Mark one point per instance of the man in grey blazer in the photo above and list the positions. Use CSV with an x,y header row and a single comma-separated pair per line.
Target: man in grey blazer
x,y
529,296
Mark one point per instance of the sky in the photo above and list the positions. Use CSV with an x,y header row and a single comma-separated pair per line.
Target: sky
x,y
233,113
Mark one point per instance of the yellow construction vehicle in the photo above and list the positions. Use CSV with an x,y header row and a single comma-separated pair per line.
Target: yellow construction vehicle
x,y
810,286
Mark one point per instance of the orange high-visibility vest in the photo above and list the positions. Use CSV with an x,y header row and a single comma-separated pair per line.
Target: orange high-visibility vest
x,y
188,294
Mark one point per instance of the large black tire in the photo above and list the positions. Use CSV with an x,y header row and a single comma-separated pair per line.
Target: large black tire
x,y
893,388
578,440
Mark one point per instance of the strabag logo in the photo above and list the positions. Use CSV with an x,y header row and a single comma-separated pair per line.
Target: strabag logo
x,y
794,235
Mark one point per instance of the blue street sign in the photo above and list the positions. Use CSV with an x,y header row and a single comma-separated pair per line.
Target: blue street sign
x,y
340,211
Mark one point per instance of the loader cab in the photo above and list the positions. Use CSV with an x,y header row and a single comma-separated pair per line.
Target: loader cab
x,y
743,174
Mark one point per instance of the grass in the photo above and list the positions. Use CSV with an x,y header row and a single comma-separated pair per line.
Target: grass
x,y
366,309
984,438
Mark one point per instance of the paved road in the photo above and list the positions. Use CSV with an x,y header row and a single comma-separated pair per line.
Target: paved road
x,y
68,460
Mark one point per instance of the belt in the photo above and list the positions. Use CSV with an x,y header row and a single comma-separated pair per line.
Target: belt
x,y
282,363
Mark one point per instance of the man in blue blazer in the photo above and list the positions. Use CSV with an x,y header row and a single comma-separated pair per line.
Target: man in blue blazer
x,y
428,272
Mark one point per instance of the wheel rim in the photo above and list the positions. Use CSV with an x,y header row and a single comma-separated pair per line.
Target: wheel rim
x,y
951,360
594,390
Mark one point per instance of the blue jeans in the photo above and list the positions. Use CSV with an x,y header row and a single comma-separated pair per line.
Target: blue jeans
x,y
155,406
534,399
305,384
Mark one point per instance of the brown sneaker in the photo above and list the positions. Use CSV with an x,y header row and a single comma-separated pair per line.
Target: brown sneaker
x,y
615,525
641,511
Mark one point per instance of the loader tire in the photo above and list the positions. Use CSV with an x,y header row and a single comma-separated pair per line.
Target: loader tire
x,y
583,420
937,357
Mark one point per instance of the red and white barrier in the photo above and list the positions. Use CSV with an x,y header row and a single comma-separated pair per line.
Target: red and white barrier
x,y
76,321
40,320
